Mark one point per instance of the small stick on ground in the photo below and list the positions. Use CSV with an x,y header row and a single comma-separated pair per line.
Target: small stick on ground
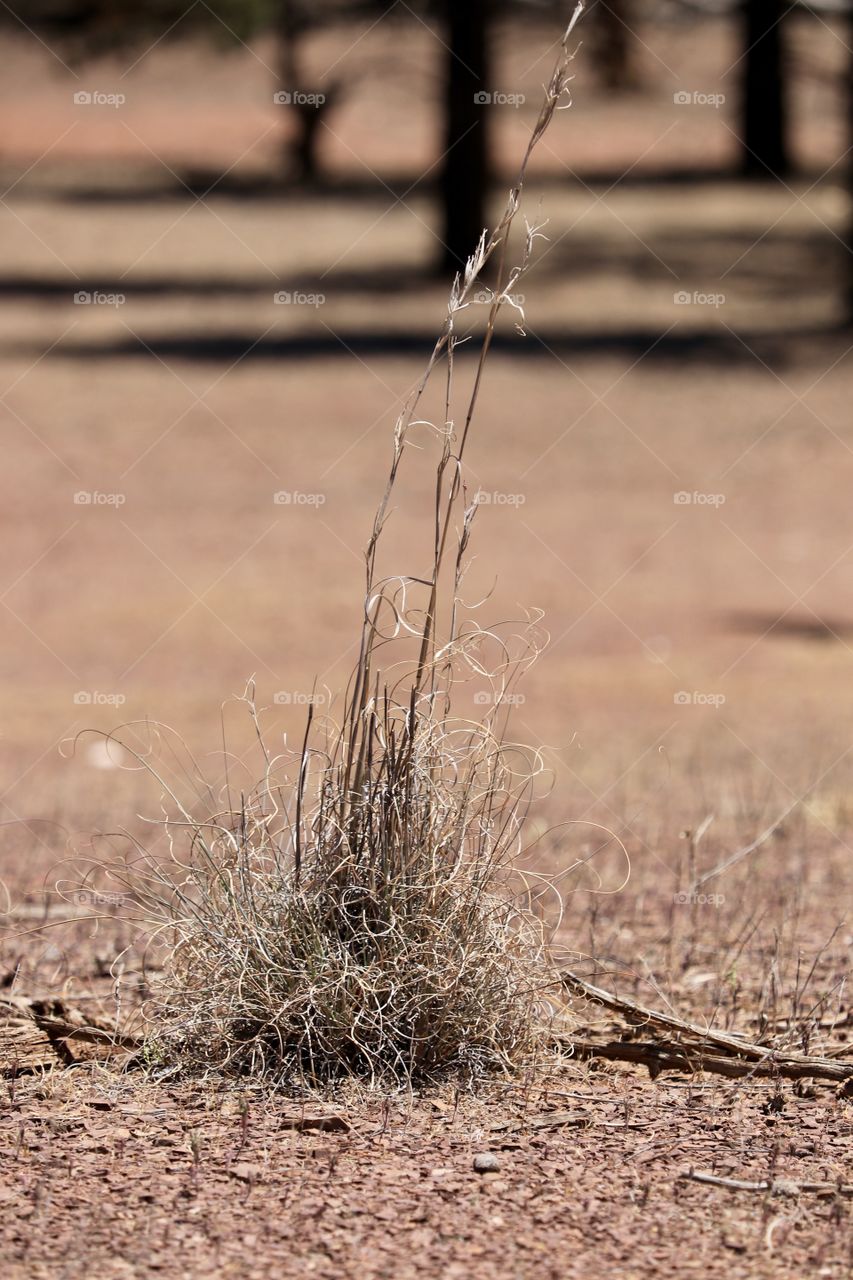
x,y
660,1057
551,1120
739,855
780,1186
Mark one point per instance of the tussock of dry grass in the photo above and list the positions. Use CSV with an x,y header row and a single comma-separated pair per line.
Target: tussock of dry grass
x,y
358,918
397,952
357,914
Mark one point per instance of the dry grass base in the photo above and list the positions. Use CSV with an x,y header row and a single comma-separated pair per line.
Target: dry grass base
x,y
405,979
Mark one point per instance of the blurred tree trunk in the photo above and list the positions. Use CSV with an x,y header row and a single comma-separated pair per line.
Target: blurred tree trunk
x,y
849,107
464,177
611,48
764,135
301,152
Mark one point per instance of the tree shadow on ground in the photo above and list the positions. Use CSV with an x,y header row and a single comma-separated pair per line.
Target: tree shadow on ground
x,y
775,349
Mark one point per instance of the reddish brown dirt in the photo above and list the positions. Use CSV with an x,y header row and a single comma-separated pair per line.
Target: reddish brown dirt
x,y
121,1178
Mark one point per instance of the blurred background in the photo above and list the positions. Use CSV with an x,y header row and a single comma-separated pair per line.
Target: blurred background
x,y
229,228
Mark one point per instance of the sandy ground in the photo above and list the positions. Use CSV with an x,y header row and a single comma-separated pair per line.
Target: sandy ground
x,y
109,1178
669,482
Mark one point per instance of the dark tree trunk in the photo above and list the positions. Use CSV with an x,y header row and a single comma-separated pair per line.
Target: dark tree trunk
x,y
464,177
611,48
848,274
764,135
301,153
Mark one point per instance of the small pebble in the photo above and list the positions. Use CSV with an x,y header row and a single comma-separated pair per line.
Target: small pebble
x,y
486,1162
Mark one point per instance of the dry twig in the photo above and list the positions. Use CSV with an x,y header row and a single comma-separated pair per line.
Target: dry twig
x,y
778,1186
697,1048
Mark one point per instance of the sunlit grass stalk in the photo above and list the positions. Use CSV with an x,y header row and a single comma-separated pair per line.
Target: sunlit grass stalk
x,y
355,913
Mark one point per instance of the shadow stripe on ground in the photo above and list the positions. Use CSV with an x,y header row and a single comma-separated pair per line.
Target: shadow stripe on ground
x,y
775,348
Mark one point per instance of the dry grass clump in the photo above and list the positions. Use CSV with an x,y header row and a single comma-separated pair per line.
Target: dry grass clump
x,y
357,914
378,938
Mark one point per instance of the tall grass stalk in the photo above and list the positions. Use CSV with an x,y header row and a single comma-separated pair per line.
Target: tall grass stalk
x,y
356,914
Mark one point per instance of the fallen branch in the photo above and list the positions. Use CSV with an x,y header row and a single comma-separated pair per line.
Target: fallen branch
x,y
705,1050
778,1186
61,1027
692,1058
331,1123
550,1120
639,1015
